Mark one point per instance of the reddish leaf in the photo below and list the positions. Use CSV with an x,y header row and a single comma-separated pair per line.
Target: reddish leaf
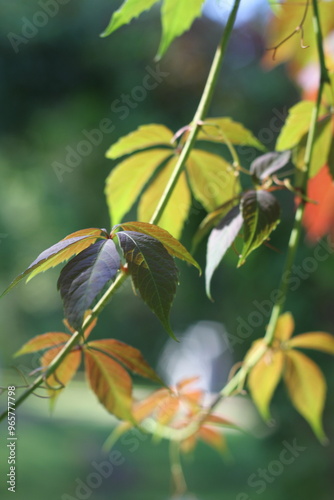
x,y
127,355
213,438
145,408
319,217
186,381
44,341
110,382
167,410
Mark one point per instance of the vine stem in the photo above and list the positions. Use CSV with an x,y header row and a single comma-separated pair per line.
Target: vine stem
x,y
199,116
238,380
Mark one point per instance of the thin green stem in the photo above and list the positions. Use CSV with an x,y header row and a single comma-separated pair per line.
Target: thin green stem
x,y
179,481
200,114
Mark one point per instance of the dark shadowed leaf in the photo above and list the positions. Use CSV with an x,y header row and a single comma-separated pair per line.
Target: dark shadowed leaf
x,y
269,163
220,240
261,214
110,382
153,272
128,11
61,251
129,356
172,245
84,278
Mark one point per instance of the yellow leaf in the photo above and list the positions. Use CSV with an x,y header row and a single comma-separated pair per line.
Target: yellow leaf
x,y
314,340
212,179
128,178
144,137
285,327
307,389
44,341
176,211
263,380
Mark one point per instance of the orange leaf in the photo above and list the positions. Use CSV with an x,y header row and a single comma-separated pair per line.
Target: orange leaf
x,y
65,371
320,341
307,389
319,218
263,380
44,341
213,438
285,327
143,409
110,382
167,410
129,357
186,381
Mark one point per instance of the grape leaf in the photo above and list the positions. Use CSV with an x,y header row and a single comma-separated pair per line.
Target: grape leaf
x,y
172,245
110,382
320,341
177,17
307,389
261,214
144,137
177,208
153,272
61,251
212,179
213,438
128,11
84,278
44,341
285,327
223,129
127,355
126,181
263,380
269,163
220,239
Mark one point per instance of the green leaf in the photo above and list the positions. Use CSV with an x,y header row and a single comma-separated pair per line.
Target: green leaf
x,y
63,250
220,240
261,214
126,181
44,341
128,11
177,208
212,179
321,147
129,356
172,245
225,129
307,389
153,272
297,125
177,17
263,380
110,382
144,137
321,341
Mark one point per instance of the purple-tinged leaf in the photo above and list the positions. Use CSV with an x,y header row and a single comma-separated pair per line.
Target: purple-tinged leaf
x,y
84,278
153,272
269,163
261,214
61,251
220,240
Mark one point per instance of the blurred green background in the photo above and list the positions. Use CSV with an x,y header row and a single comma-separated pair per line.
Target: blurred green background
x,y
63,81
